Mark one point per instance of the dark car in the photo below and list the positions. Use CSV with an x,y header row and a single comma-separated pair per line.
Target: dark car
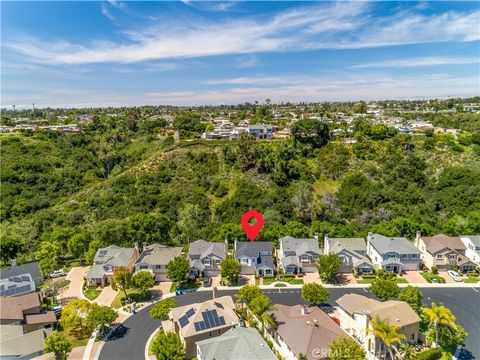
x,y
207,281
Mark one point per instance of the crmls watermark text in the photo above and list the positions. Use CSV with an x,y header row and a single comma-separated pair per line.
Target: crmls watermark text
x,y
326,353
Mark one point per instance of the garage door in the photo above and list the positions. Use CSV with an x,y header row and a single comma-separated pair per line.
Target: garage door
x,y
211,273
161,277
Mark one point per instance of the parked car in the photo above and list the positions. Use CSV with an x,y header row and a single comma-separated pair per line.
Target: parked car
x,y
454,275
57,273
207,281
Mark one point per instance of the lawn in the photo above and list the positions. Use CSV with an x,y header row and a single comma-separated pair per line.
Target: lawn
x,y
91,293
398,280
471,280
82,337
289,280
190,284
134,294
429,277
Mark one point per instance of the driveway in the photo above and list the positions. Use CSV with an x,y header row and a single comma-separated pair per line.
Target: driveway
x,y
309,278
346,278
247,280
74,289
448,279
161,288
216,280
414,277
106,297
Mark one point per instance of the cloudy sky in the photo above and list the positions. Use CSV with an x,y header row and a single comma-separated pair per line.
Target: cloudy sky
x,y
192,52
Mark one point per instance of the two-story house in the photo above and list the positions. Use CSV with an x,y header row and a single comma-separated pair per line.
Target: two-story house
x,y
444,252
205,257
352,252
472,244
155,258
298,255
357,312
108,260
256,257
201,321
393,254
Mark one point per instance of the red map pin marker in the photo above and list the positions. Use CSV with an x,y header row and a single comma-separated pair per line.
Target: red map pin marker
x,y
252,230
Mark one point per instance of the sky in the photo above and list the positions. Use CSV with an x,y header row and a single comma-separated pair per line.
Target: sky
x,y
112,53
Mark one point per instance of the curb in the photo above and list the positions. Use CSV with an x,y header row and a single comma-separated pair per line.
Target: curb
x,y
147,346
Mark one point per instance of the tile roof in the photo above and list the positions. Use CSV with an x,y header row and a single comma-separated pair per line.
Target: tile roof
x,y
440,242
306,333
45,318
396,312
12,307
400,245
157,254
238,343
223,305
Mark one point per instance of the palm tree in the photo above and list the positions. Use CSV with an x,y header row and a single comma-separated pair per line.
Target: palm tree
x,y
407,351
440,316
388,334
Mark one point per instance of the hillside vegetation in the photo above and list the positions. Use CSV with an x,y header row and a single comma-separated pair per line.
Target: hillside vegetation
x,y
117,184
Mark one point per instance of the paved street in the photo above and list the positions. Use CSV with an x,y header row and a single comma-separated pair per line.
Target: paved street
x,y
128,342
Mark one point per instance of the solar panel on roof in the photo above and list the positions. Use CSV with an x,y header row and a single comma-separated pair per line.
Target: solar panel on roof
x,y
221,319
25,278
197,326
183,321
190,312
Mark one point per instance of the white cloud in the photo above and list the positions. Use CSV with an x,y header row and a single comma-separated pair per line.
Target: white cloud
x,y
419,61
341,25
106,12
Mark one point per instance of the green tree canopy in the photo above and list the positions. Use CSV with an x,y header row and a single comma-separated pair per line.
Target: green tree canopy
x,y
177,269
413,296
122,280
75,313
168,346
230,269
143,281
311,132
59,345
315,294
247,293
161,308
328,266
384,289
100,316
346,348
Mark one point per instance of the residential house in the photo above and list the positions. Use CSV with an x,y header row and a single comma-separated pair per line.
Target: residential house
x,y
298,255
26,311
472,243
444,252
303,330
393,254
31,268
261,131
352,252
155,258
238,343
256,257
17,285
15,344
205,257
108,260
357,312
201,321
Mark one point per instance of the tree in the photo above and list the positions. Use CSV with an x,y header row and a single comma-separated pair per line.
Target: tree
x,y
230,269
413,296
53,288
93,247
407,351
189,222
346,349
315,294
311,132
168,346
122,280
9,248
440,316
384,289
177,269
259,306
161,309
143,281
78,244
47,257
100,316
247,293
59,345
302,200
388,334
75,313
328,266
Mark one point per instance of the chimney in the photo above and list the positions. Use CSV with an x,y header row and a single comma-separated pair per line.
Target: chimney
x,y
135,245
235,245
214,292
304,310
14,262
144,246
326,248
417,238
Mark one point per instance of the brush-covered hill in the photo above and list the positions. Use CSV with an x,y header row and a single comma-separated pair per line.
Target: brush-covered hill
x,y
116,185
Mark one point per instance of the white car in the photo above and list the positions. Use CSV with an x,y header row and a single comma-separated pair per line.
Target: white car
x,y
57,273
454,275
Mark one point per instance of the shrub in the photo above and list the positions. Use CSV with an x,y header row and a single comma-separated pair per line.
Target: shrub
x,y
300,275
430,354
269,343
434,270
285,276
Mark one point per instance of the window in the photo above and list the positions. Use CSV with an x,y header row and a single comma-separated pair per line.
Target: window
x,y
217,262
206,262
439,256
315,257
451,257
412,336
304,258
143,267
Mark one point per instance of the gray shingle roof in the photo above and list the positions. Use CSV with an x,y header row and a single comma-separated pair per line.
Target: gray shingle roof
x,y
236,344
399,245
30,268
290,260
252,248
95,272
204,249
353,244
157,254
114,255
26,344
300,246
474,238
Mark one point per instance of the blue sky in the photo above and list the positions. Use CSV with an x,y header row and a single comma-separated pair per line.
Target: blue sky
x,y
192,52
